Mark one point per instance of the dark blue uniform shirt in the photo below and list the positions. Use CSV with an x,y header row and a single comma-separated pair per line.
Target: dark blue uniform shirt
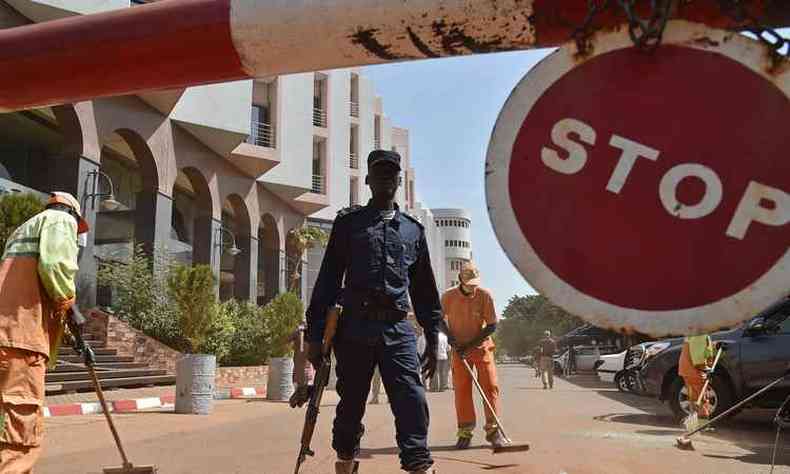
x,y
382,264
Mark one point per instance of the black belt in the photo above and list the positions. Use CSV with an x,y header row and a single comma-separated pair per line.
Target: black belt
x,y
386,315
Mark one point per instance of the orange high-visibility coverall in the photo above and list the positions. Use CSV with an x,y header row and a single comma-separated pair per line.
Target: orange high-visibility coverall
x,y
466,316
37,288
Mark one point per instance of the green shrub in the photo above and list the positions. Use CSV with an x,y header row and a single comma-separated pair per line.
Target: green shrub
x,y
15,210
250,342
219,337
282,314
140,298
192,291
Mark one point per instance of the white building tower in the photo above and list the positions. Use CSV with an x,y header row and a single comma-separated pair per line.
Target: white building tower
x,y
455,226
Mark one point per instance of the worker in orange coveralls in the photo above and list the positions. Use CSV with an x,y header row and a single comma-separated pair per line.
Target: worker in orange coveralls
x,y
37,292
470,320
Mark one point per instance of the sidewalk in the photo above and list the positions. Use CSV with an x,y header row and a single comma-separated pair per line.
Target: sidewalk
x,y
132,400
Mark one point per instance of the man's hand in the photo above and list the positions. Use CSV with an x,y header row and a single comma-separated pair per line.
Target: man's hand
x,y
88,356
301,396
428,361
315,354
461,350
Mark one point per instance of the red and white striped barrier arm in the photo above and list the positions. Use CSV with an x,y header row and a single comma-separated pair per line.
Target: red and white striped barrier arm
x,y
172,44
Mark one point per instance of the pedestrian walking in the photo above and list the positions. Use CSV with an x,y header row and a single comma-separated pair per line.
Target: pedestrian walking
x,y
470,320
382,255
439,381
548,347
37,293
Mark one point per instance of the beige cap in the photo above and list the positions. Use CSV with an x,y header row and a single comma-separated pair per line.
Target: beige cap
x,y
59,197
469,274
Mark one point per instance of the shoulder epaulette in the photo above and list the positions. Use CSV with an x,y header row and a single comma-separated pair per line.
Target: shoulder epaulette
x,y
349,210
412,218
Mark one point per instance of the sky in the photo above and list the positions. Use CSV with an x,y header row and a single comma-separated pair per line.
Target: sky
x,y
450,107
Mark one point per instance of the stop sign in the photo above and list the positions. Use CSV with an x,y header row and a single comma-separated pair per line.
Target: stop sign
x,y
648,192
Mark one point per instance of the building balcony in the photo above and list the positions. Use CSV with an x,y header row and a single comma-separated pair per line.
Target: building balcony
x,y
319,184
262,134
377,143
319,117
354,109
353,161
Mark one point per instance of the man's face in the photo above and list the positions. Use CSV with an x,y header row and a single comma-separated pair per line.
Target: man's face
x,y
383,179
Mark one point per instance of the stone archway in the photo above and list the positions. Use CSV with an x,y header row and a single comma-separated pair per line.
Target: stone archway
x,y
143,216
236,275
268,260
191,222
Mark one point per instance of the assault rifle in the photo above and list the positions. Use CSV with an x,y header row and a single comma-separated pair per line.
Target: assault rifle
x,y
317,392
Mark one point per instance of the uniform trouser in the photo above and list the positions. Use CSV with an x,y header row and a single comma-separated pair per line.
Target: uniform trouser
x,y
694,385
483,361
547,371
21,399
399,365
439,379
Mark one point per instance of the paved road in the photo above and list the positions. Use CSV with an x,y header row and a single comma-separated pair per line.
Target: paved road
x,y
581,427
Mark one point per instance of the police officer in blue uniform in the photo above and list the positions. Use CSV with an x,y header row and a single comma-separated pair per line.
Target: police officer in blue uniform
x,y
378,257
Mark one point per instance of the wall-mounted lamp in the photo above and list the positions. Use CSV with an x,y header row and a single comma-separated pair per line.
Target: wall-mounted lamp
x,y
108,202
232,250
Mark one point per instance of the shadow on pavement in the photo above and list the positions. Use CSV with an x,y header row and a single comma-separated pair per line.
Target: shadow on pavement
x,y
751,431
367,453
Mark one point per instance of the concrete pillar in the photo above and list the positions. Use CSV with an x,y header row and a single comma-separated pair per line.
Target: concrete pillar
x,y
68,173
246,271
152,222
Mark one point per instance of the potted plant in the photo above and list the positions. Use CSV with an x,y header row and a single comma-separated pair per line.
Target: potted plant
x,y
192,291
282,315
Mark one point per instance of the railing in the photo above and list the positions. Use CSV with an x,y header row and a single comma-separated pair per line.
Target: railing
x,y
261,134
353,161
319,117
318,184
377,143
354,109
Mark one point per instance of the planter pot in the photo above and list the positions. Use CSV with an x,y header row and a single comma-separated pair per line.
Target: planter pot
x,y
195,375
279,383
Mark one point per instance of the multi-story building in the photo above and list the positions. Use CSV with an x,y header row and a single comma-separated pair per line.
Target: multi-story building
x,y
216,174
455,231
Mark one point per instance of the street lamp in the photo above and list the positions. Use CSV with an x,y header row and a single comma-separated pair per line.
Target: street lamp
x,y
108,202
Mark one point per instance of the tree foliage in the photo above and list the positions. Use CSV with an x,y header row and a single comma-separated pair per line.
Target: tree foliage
x,y
301,239
282,314
524,320
15,210
191,288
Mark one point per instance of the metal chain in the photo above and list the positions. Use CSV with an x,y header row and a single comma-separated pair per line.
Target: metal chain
x,y
647,33
737,11
583,32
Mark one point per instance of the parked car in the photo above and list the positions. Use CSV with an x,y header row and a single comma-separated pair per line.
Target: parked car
x,y
623,368
757,353
610,365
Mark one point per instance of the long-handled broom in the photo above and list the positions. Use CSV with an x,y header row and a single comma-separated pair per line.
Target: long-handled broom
x,y
127,467
684,442
692,421
508,447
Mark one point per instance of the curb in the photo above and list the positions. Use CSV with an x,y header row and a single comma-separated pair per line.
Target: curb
x,y
128,406
239,392
118,406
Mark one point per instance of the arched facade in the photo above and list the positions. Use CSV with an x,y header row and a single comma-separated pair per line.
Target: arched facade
x,y
269,259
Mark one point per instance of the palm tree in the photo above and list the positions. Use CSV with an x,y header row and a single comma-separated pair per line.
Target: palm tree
x,y
301,239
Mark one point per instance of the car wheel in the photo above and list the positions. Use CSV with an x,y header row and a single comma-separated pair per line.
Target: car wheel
x,y
719,396
621,381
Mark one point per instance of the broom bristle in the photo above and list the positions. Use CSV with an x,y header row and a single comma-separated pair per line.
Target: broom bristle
x,y
511,448
131,470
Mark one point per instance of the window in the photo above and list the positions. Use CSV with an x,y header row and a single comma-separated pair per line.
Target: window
x,y
319,166
353,151
446,243
354,106
319,100
262,126
377,132
353,197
